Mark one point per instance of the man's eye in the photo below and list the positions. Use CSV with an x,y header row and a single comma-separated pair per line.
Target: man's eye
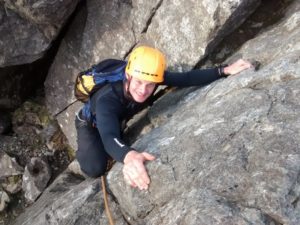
x,y
150,85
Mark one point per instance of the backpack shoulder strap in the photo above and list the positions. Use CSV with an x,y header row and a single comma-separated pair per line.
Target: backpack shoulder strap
x,y
110,69
108,65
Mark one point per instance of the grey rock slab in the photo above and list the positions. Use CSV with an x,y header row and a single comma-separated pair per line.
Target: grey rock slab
x,y
4,200
186,31
29,27
70,200
237,138
35,178
100,30
66,121
9,166
23,44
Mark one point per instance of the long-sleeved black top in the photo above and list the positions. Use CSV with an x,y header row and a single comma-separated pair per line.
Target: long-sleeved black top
x,y
111,107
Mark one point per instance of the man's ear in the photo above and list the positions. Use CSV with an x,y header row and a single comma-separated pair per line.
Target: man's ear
x,y
128,77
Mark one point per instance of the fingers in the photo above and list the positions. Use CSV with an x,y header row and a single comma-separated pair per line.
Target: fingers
x,y
134,170
238,66
241,64
245,64
129,180
148,156
136,175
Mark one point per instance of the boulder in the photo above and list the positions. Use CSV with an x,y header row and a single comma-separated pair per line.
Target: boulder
x,y
27,28
35,179
88,41
12,184
227,153
4,200
70,200
36,133
9,166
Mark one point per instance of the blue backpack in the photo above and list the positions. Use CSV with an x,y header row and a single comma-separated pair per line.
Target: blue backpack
x,y
93,79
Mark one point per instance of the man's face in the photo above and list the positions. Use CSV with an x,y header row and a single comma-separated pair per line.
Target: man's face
x,y
140,90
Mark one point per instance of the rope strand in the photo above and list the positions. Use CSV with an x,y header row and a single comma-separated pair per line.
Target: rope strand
x,y
107,210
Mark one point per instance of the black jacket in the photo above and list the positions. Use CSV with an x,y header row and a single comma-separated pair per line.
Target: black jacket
x,y
111,107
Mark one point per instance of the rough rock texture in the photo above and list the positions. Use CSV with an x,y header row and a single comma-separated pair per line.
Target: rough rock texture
x,y
9,169
89,40
12,184
70,200
35,179
4,200
27,28
230,152
188,30
9,166
66,121
227,153
36,134
111,29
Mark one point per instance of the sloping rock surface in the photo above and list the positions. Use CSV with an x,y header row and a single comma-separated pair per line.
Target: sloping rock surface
x,y
70,200
229,153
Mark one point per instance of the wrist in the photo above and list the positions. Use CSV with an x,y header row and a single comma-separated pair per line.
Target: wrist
x,y
223,70
226,71
128,157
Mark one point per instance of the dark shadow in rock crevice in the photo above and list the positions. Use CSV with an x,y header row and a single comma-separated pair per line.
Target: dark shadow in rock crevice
x,y
266,15
22,82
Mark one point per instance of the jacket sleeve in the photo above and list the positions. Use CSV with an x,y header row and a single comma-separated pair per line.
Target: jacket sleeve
x,y
195,77
108,115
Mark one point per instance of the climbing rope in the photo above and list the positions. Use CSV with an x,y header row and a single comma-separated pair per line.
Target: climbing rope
x,y
107,210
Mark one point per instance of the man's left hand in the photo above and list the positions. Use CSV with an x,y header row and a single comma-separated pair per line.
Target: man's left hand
x,y
134,170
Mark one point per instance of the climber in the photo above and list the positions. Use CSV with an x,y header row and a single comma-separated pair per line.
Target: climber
x,y
118,101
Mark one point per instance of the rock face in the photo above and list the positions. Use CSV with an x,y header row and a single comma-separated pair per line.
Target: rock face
x,y
188,30
35,179
70,200
9,166
36,139
27,28
111,29
229,153
9,169
4,200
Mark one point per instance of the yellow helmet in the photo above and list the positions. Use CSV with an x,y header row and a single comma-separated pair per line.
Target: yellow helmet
x,y
146,63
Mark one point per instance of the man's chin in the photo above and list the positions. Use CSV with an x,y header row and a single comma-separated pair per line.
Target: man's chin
x,y
139,99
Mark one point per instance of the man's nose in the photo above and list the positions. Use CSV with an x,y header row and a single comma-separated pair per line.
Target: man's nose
x,y
143,89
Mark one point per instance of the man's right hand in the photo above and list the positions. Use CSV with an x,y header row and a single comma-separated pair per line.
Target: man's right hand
x,y
237,67
134,170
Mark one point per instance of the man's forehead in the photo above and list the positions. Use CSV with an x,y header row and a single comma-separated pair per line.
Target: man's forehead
x,y
141,81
